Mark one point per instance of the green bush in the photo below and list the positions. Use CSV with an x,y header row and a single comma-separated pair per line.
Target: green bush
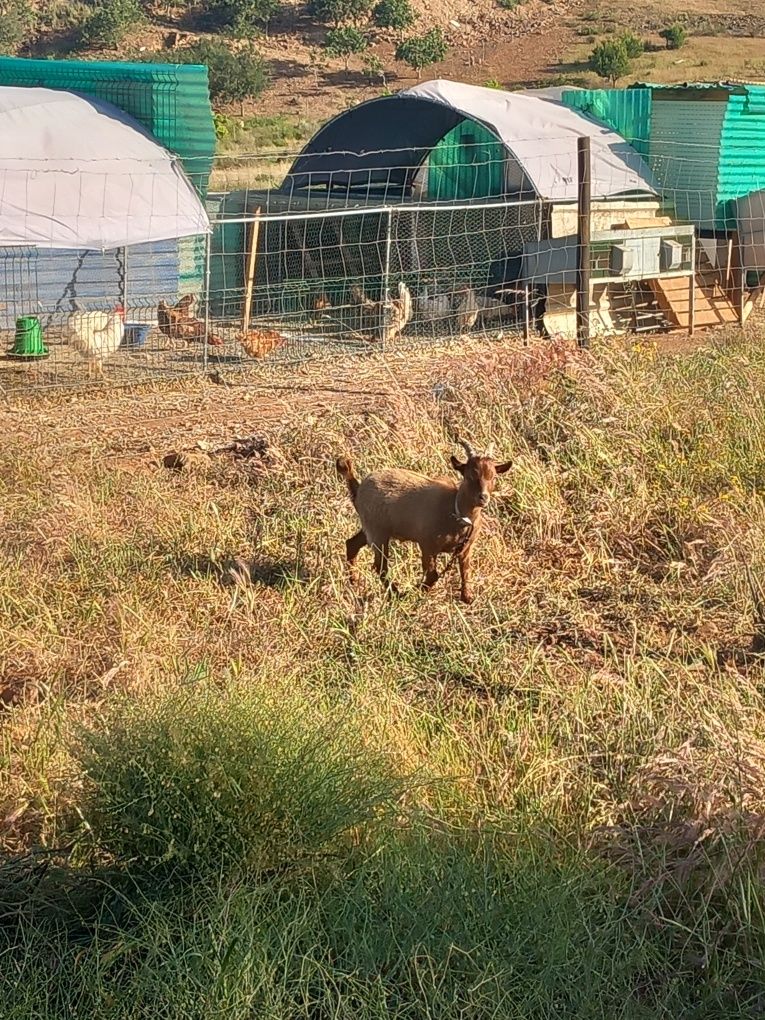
x,y
17,20
337,12
374,68
110,22
420,51
675,36
244,17
633,44
398,14
233,76
344,42
210,782
611,60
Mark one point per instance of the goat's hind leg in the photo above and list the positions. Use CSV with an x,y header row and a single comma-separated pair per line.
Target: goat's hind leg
x,y
353,547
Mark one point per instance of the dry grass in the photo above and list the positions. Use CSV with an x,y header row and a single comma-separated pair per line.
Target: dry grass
x,y
725,41
588,739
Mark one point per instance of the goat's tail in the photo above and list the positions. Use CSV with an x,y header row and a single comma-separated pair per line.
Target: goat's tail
x,y
344,468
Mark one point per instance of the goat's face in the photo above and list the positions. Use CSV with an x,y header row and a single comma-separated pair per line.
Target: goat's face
x,y
479,478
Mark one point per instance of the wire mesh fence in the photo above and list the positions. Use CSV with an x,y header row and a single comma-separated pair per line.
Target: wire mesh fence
x,y
302,263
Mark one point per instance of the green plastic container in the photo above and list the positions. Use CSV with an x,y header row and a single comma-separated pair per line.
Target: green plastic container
x,y
29,339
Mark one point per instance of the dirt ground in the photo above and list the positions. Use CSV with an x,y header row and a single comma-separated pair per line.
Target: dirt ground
x,y
137,427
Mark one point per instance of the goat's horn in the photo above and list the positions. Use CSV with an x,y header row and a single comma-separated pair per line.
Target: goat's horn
x,y
489,451
467,448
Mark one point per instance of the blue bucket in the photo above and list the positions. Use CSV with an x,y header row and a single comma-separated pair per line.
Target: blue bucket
x,y
135,335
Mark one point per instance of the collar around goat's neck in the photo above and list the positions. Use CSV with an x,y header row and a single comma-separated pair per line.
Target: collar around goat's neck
x,y
462,518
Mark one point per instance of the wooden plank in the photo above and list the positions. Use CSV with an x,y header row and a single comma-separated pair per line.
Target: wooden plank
x,y
252,255
709,309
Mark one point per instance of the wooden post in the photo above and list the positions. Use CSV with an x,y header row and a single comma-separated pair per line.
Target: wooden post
x,y
249,280
526,314
584,160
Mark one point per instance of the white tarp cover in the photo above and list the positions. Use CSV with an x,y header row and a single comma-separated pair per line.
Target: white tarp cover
x,y
76,172
542,135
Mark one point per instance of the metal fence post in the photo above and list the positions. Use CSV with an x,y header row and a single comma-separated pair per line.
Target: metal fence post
x,y
584,161
386,271
208,249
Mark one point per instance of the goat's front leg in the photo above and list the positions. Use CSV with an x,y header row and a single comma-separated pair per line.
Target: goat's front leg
x,y
464,562
381,567
429,571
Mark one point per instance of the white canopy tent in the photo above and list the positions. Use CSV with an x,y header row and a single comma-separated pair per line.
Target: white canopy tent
x,y
78,173
542,134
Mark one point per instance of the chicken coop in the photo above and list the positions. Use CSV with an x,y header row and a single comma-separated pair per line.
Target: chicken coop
x,y
99,221
441,187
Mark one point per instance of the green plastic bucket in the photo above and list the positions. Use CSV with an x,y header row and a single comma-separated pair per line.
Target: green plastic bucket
x,y
29,339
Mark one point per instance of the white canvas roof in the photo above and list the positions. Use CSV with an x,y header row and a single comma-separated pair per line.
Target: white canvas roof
x,y
76,172
542,135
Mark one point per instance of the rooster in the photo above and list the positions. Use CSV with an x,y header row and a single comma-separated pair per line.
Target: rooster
x,y
178,322
385,320
259,343
96,336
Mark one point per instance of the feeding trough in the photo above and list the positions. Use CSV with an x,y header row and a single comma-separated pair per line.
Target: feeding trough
x,y
29,343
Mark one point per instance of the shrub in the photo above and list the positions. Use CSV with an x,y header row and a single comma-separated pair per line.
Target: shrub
x,y
344,42
233,76
17,21
398,14
633,44
420,51
509,5
219,783
245,17
110,22
675,36
610,60
373,68
336,12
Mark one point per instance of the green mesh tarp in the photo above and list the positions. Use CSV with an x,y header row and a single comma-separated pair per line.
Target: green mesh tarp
x,y
468,162
171,101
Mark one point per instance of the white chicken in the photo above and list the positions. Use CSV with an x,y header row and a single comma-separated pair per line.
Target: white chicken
x,y
96,336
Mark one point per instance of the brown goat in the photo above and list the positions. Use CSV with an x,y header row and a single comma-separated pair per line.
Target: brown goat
x,y
436,513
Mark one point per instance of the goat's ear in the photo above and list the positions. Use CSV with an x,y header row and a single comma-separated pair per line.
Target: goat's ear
x,y
457,466
501,468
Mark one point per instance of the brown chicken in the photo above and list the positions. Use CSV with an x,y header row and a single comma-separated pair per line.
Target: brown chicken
x,y
178,322
259,343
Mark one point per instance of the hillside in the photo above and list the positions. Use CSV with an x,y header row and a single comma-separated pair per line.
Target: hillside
x,y
498,42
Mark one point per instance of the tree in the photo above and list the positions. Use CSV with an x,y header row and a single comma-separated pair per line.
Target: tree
x,y
337,12
610,60
634,45
110,22
398,14
675,36
344,42
420,51
17,21
244,17
233,76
